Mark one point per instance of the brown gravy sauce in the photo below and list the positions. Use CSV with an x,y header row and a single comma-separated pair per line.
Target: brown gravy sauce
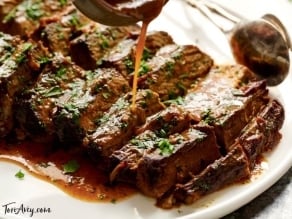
x,y
88,183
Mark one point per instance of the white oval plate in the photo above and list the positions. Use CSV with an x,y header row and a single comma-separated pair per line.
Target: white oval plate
x,y
186,25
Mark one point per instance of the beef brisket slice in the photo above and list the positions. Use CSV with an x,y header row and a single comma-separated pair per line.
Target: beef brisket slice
x,y
88,49
24,17
17,72
228,169
80,110
173,70
56,32
122,56
118,125
262,133
124,162
36,106
173,159
227,99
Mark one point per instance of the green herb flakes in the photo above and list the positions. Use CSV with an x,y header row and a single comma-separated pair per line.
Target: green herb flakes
x,y
71,166
61,72
165,147
10,16
33,10
22,56
53,92
19,175
63,2
208,117
144,68
177,101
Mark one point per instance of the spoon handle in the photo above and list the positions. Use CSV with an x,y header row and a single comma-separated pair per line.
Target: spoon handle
x,y
210,9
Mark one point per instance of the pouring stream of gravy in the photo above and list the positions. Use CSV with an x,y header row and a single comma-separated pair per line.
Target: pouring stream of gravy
x,y
145,11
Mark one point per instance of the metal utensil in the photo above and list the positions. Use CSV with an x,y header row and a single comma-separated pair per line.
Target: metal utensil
x,y
262,45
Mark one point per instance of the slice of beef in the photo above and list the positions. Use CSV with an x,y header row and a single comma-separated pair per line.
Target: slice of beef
x,y
56,32
173,70
262,133
227,99
124,162
122,56
226,170
80,110
258,136
36,106
88,49
118,125
175,159
17,72
24,18
155,163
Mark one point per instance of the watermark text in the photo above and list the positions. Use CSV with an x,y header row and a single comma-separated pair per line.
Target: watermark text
x,y
21,209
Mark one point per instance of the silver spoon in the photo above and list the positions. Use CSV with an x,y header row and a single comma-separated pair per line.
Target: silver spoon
x,y
261,45
120,12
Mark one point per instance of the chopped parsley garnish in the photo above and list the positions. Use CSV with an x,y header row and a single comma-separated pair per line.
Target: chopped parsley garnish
x,y
53,92
165,147
104,43
10,16
22,56
33,10
74,21
44,60
129,65
144,68
177,101
73,109
19,175
63,2
207,116
169,67
61,72
146,54
71,166
152,140
102,119
145,143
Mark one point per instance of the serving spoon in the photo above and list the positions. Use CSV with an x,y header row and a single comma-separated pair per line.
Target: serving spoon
x,y
262,45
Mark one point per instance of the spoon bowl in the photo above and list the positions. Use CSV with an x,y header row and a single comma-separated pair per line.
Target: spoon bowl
x,y
262,45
